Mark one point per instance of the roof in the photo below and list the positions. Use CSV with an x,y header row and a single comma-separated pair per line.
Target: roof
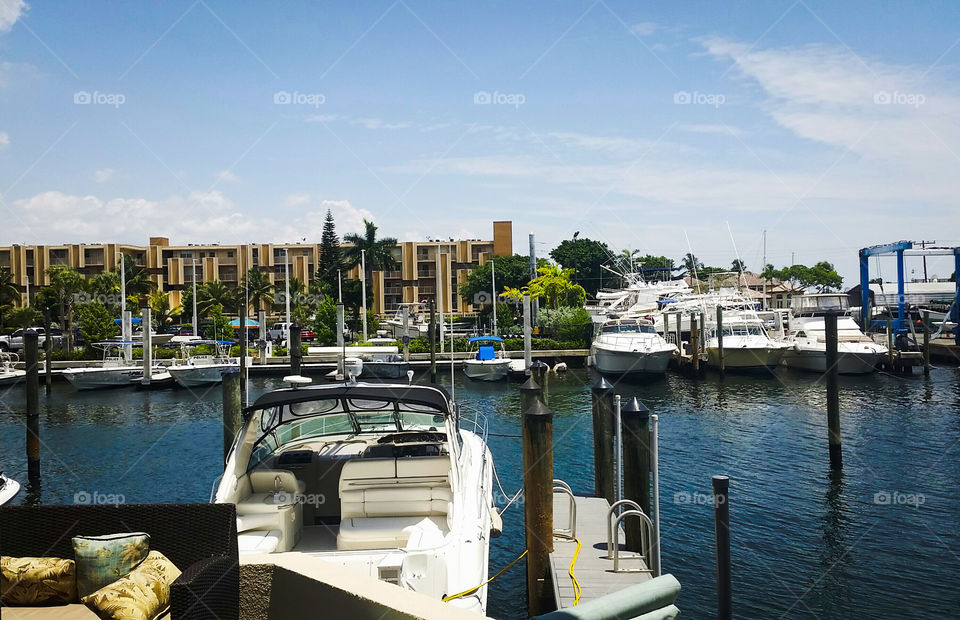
x,y
430,395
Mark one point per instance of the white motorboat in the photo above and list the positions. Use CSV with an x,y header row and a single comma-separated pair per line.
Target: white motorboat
x,y
746,344
385,366
417,325
388,480
630,346
857,353
487,364
194,370
116,370
8,488
8,373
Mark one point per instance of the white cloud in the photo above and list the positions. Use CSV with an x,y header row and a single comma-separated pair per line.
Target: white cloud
x,y
370,122
4,139
227,175
10,12
643,29
710,128
103,175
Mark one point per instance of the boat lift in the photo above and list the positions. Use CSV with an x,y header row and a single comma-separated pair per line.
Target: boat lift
x,y
901,249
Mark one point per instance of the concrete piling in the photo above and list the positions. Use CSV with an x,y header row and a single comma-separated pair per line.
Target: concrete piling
x,y
47,351
636,466
833,391
694,345
926,342
538,504
721,518
232,409
602,395
30,341
146,344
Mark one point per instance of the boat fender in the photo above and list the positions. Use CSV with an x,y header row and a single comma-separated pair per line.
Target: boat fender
x,y
560,367
496,523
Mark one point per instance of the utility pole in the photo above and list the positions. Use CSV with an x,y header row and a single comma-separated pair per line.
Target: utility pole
x,y
923,245
196,328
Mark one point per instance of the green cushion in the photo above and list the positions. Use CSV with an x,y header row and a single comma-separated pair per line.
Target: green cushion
x,y
143,594
101,560
37,581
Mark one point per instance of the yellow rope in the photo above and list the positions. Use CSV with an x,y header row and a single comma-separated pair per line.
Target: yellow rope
x,y
573,578
472,590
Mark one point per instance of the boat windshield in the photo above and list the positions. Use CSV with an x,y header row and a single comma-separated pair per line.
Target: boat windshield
x,y
739,330
628,328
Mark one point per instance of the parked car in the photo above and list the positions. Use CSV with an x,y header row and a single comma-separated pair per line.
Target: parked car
x,y
307,335
278,333
14,342
180,330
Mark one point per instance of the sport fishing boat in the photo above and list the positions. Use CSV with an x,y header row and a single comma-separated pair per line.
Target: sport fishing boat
x,y
8,373
487,364
746,344
8,488
194,370
857,353
630,346
388,480
116,370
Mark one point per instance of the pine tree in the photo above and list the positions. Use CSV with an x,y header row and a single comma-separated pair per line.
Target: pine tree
x,y
331,256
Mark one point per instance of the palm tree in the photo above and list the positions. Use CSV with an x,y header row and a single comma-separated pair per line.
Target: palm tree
x,y
691,263
24,317
65,282
256,285
160,307
9,292
138,280
215,293
378,252
738,265
627,259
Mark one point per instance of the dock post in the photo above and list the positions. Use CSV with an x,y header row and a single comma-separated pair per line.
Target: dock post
x,y
433,341
833,391
231,409
926,342
694,345
720,338
655,492
405,312
703,331
340,354
602,393
30,340
538,372
618,448
293,348
527,335
244,350
47,351
679,318
666,327
529,392
636,466
146,345
889,340
262,320
538,505
721,520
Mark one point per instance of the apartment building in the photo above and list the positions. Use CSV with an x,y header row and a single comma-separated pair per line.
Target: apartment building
x,y
427,270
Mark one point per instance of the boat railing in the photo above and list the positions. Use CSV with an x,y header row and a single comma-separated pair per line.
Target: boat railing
x,y
614,522
474,421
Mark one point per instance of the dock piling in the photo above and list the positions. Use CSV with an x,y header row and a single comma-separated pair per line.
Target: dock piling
x,y
433,341
293,348
147,346
889,341
530,391
833,391
538,372
720,339
30,341
405,312
721,518
538,505
602,395
340,354
926,342
262,344
47,351
694,345
636,466
231,409
655,492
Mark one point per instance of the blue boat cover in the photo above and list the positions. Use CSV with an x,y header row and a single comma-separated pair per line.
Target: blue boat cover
x,y
486,352
486,338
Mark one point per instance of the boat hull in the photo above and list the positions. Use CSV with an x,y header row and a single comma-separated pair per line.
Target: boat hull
x,y
196,376
847,363
385,370
8,489
741,358
101,378
631,362
486,370
12,377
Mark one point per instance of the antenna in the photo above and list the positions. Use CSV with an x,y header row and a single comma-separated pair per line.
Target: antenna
x,y
736,253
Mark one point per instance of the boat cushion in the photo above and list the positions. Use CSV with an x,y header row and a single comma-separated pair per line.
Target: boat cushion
x,y
258,541
384,532
265,481
486,352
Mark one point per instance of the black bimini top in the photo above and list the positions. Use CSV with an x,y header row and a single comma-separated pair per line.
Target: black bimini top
x,y
433,396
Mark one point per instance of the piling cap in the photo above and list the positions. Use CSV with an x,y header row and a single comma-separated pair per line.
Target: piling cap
x,y
530,386
602,385
541,366
539,411
635,408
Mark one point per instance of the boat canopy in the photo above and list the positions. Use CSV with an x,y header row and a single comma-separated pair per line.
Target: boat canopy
x,y
132,320
486,339
194,343
248,323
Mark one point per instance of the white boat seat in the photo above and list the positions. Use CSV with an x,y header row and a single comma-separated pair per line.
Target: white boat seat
x,y
271,506
385,532
259,541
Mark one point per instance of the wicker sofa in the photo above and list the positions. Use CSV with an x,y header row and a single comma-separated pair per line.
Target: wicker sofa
x,y
200,539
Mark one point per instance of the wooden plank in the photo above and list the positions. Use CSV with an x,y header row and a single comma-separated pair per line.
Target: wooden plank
x,y
594,572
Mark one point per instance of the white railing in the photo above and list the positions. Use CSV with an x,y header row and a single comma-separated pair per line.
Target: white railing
x,y
613,536
571,530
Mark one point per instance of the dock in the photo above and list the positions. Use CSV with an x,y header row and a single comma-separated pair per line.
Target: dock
x,y
593,570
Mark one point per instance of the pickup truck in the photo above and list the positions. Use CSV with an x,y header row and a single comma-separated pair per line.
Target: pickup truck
x,y
14,342
278,333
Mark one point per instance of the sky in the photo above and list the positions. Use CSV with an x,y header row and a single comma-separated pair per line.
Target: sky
x,y
660,127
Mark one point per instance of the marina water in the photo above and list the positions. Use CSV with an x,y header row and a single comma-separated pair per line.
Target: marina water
x,y
879,540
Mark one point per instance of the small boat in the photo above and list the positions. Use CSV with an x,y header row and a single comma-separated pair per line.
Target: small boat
x,y
116,370
746,344
8,374
630,346
386,479
487,364
385,366
160,378
857,353
417,325
194,370
8,488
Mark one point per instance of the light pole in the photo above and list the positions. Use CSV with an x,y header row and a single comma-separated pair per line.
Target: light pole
x,y
196,327
363,291
286,290
493,279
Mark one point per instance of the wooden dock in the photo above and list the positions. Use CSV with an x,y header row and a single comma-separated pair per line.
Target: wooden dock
x,y
594,572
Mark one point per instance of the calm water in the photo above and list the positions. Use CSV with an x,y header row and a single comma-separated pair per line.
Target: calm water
x,y
805,544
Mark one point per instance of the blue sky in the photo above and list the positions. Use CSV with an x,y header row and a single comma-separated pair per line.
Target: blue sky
x,y
830,125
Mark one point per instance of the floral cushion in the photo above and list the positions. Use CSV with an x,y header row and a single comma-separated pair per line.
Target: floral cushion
x,y
101,560
37,581
143,594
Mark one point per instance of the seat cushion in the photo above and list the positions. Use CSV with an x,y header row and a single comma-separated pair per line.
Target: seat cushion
x,y
382,532
74,611
38,581
264,503
258,541
142,595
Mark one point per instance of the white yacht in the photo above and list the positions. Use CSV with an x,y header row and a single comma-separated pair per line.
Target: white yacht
x,y
857,353
8,489
746,344
116,370
418,322
487,364
194,370
383,479
8,373
627,346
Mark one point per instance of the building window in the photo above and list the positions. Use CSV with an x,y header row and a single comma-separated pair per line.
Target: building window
x,y
229,253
